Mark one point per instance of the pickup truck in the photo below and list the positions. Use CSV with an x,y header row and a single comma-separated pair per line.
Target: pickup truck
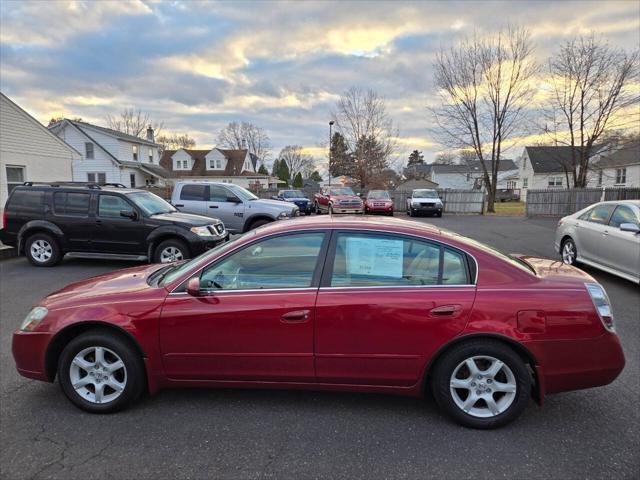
x,y
337,200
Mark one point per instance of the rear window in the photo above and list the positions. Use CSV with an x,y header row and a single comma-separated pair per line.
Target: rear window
x,y
71,203
27,201
193,192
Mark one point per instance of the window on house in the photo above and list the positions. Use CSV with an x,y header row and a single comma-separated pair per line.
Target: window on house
x,y
135,152
15,177
468,177
600,178
150,155
88,150
555,181
511,184
525,183
621,176
215,164
97,177
132,180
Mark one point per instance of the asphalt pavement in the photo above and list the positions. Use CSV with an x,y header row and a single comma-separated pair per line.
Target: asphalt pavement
x,y
291,434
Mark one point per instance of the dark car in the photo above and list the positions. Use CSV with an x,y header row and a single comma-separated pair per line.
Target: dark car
x,y
46,221
295,196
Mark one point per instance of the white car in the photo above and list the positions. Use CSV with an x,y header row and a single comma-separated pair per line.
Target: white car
x,y
605,235
424,200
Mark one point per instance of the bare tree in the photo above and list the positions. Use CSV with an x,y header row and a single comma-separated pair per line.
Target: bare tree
x,y
592,99
244,135
362,119
175,141
466,157
485,85
297,161
133,122
445,158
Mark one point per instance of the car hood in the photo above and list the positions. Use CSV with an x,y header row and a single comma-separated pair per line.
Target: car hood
x,y
384,200
296,199
344,197
184,219
555,270
273,206
99,289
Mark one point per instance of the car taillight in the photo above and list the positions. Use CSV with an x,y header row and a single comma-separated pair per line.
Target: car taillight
x,y
561,221
602,304
4,218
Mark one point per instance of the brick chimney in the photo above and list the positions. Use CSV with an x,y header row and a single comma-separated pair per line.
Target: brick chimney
x,y
150,134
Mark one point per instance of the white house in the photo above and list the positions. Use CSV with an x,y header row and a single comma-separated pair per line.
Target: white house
x,y
464,176
618,168
543,168
227,166
28,151
109,156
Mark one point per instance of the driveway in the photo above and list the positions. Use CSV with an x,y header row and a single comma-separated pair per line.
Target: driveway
x,y
289,434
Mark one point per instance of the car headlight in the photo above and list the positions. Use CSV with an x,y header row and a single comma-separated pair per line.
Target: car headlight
x,y
415,204
602,304
202,231
33,319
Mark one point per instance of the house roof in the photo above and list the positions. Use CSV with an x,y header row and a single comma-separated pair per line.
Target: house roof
x,y
550,159
629,154
472,167
151,168
416,183
113,133
234,167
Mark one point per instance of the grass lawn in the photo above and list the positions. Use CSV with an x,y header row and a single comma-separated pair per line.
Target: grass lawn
x,y
507,208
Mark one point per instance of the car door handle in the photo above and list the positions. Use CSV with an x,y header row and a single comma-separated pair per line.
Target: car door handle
x,y
213,206
297,316
445,310
179,205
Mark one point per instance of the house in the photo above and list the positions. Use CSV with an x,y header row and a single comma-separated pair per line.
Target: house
x,y
414,183
228,166
464,176
618,168
111,156
544,167
28,151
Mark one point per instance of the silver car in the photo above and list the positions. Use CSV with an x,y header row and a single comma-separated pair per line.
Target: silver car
x,y
605,235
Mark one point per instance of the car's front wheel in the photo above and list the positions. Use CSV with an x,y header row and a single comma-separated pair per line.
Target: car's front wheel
x,y
172,250
100,372
482,384
569,252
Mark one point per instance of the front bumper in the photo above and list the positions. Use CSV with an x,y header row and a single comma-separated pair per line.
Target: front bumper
x,y
423,209
202,244
338,209
381,210
29,349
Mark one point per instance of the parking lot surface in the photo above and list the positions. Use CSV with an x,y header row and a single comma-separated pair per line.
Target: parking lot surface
x,y
290,434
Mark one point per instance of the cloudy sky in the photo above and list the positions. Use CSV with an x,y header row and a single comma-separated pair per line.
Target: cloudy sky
x,y
198,65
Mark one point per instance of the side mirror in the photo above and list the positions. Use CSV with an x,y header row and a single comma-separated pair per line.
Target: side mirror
x,y
234,200
132,214
629,227
193,287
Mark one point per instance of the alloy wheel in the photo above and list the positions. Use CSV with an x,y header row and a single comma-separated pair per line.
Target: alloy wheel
x,y
483,386
171,254
568,252
98,375
41,251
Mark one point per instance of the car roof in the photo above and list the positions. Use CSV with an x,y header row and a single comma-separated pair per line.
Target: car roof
x,y
625,202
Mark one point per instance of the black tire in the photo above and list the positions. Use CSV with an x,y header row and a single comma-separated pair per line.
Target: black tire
x,y
569,242
133,372
258,223
318,211
49,243
446,366
330,209
410,212
172,243
439,214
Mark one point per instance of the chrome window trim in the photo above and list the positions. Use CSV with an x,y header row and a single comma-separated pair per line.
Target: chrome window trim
x,y
329,230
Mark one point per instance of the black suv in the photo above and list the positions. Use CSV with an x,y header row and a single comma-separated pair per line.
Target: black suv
x,y
45,221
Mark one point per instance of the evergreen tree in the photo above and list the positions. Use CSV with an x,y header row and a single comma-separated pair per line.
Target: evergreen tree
x,y
415,158
341,160
283,171
297,181
263,170
315,176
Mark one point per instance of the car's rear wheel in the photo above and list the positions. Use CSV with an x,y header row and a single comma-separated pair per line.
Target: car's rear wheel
x,y
172,250
42,250
100,372
569,252
482,384
317,209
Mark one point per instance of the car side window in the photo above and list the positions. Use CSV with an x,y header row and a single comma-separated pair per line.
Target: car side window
x,y
623,214
71,203
26,201
600,213
193,192
110,206
364,260
287,261
218,194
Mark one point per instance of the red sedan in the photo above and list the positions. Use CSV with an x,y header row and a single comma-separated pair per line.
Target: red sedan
x,y
335,304
378,201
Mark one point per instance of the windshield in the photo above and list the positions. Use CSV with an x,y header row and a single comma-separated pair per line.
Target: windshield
x,y
378,194
179,269
425,194
293,194
150,203
341,191
243,193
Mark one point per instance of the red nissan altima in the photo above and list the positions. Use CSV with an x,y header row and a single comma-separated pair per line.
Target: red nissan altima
x,y
336,304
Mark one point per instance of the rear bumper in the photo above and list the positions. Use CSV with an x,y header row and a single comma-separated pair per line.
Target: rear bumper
x,y
578,364
7,238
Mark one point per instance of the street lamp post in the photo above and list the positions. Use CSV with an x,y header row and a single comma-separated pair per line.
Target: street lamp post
x,y
330,125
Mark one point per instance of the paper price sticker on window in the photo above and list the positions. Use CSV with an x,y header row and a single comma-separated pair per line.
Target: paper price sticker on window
x,y
375,257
